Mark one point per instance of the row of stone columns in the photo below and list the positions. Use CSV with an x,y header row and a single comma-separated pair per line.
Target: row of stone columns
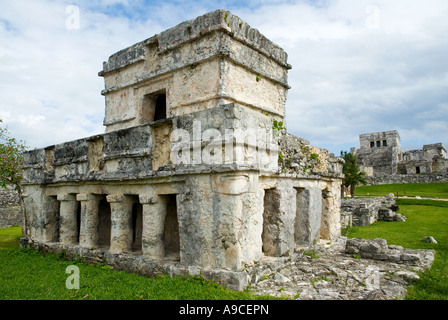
x,y
298,216
121,233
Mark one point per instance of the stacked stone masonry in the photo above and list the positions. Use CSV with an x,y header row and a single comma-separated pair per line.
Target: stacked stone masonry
x,y
192,174
10,211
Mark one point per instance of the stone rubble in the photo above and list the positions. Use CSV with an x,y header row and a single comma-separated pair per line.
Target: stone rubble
x,y
334,272
365,211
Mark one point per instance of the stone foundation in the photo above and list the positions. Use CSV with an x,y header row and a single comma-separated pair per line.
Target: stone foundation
x,y
144,266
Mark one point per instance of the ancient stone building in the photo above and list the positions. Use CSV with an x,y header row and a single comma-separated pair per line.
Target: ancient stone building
x,y
380,154
195,172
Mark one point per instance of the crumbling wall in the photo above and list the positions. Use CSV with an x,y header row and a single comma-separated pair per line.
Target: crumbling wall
x,y
296,155
365,211
407,178
10,210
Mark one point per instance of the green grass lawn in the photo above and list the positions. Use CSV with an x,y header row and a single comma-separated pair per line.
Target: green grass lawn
x,y
424,218
9,237
430,190
29,275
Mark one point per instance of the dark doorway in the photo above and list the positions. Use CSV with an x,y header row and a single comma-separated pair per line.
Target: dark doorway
x,y
104,224
171,234
137,227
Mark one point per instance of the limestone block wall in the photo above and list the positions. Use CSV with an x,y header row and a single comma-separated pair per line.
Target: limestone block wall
x,y
10,210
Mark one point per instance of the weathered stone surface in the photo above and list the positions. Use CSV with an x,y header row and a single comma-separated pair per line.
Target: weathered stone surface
x,y
329,272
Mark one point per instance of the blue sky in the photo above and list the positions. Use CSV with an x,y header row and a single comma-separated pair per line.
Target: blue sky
x,y
358,66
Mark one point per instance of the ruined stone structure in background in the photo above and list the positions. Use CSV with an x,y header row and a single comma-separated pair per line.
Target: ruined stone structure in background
x,y
382,158
196,172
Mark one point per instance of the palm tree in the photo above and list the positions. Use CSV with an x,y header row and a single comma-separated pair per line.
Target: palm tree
x,y
353,176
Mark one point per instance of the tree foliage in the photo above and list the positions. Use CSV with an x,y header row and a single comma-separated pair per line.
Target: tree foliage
x,y
11,159
353,175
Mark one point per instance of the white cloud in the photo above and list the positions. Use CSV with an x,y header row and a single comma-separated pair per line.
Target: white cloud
x,y
349,79
358,66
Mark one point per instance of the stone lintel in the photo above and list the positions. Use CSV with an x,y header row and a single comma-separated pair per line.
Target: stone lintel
x,y
87,197
66,197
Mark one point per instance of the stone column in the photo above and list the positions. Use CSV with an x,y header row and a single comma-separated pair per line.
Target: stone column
x,y
121,219
89,220
331,217
153,216
234,239
308,216
278,220
68,223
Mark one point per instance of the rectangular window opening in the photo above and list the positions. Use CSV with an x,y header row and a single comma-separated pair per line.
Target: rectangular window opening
x,y
153,107
160,108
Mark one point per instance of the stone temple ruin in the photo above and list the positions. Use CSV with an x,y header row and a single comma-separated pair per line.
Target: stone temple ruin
x,y
195,172
380,155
